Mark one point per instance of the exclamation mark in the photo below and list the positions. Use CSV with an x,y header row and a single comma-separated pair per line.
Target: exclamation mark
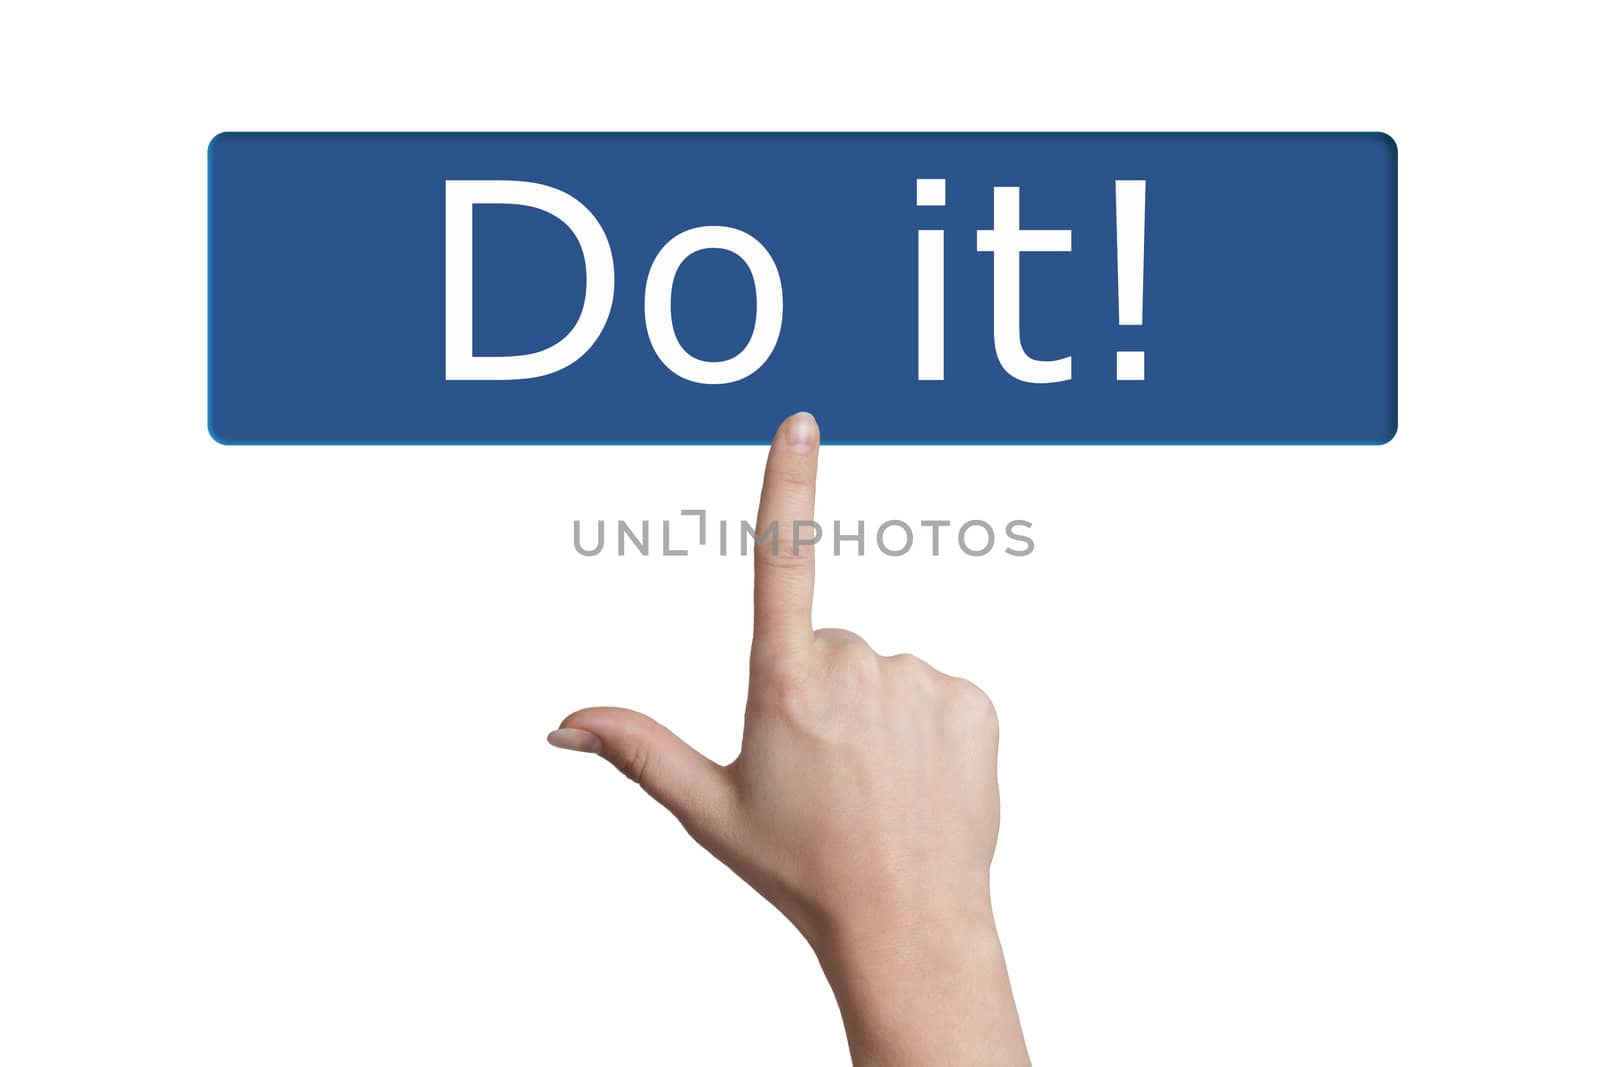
x,y
1130,272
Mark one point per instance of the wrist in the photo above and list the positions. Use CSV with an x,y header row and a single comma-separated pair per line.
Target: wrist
x,y
921,989
878,944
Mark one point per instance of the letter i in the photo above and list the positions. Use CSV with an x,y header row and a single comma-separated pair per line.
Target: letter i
x,y
930,287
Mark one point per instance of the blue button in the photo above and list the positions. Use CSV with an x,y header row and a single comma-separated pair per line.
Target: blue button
x,y
907,288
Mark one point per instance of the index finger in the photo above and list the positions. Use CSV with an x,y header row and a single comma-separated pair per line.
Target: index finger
x,y
785,533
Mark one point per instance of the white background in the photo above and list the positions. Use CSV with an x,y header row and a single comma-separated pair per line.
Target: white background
x,y
1299,754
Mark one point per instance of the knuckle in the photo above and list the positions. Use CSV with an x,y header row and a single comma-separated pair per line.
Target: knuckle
x,y
854,662
913,674
906,663
782,555
787,686
975,702
635,762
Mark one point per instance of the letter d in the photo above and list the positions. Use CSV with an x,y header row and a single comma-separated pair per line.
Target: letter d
x,y
460,364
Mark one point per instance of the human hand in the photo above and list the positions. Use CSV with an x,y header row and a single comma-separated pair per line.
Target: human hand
x,y
864,804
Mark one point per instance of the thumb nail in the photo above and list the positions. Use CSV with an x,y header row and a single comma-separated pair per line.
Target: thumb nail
x,y
574,740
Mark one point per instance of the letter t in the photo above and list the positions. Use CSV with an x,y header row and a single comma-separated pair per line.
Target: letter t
x,y
1007,241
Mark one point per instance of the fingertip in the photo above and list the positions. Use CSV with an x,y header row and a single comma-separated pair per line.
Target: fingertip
x,y
574,740
799,432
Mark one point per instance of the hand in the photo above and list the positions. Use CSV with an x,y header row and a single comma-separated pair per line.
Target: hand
x,y
864,804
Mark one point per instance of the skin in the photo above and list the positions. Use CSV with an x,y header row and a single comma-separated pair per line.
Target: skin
x,y
864,805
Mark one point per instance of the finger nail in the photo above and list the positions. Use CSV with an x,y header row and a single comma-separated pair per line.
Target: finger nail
x,y
574,740
800,432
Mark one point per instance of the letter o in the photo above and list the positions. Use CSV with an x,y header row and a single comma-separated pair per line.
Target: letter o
x,y
883,545
658,305
961,537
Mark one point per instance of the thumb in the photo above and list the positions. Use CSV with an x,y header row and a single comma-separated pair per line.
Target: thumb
x,y
686,783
